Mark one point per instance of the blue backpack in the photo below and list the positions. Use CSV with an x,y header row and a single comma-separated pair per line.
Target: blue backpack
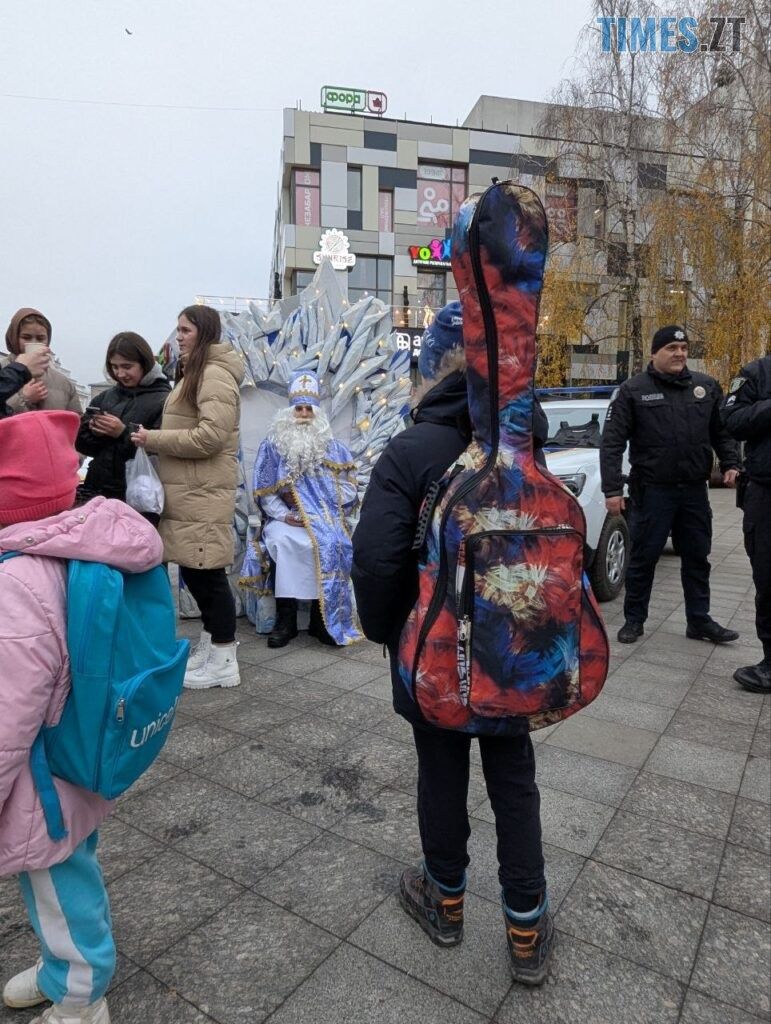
x,y
127,671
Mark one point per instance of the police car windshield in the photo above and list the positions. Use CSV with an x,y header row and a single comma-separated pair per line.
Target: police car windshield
x,y
574,428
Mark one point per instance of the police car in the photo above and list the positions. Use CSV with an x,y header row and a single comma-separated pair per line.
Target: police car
x,y
576,417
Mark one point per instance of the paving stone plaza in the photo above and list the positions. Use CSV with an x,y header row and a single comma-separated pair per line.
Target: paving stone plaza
x,y
252,872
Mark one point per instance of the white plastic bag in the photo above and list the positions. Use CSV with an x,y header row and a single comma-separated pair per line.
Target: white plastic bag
x,y
144,490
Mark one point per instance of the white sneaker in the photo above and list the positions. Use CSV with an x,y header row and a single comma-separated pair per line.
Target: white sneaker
x,y
200,653
22,991
96,1013
220,669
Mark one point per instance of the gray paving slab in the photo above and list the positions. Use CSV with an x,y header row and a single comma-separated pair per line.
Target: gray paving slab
x,y
756,784
253,767
592,985
702,810
310,737
744,884
123,848
347,673
697,763
626,915
734,961
606,782
353,986
254,716
323,794
243,962
569,821
193,741
662,853
179,807
716,732
386,823
613,708
143,998
332,882
247,845
751,825
162,900
698,1009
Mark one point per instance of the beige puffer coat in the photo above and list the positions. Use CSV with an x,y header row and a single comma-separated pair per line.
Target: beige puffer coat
x,y
198,465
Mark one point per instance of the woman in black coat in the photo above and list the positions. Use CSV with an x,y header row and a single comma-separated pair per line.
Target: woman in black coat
x,y
138,397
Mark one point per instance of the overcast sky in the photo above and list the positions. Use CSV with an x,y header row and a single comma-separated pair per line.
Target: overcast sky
x,y
117,210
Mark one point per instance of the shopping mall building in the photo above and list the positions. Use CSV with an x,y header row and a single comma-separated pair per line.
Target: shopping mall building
x,y
379,196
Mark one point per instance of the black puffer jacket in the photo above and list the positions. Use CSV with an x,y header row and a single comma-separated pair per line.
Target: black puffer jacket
x,y
672,424
385,569
13,377
143,404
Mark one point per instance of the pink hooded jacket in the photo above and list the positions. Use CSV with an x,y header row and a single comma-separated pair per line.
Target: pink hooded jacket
x,y
35,668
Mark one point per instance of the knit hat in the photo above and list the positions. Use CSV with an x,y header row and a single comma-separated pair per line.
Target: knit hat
x,y
664,335
12,334
38,465
304,389
440,337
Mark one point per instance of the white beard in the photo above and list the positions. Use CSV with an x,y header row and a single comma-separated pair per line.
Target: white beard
x,y
302,446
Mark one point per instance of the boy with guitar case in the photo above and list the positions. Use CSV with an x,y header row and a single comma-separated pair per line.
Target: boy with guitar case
x,y
468,563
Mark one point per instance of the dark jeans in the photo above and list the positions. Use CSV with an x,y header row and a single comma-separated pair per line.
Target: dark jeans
x,y
213,595
508,763
757,543
655,510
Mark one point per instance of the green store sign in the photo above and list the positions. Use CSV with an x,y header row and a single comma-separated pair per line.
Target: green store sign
x,y
353,101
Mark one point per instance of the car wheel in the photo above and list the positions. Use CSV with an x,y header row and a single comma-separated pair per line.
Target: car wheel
x,y
611,559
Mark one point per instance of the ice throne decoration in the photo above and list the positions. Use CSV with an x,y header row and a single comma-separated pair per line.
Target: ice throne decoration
x,y
365,388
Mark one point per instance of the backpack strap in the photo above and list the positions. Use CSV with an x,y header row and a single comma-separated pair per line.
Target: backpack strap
x,y
46,790
7,555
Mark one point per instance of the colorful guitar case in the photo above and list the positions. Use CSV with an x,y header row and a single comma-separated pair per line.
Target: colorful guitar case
x,y
505,624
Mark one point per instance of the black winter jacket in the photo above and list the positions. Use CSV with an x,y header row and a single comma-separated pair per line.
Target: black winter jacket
x,y
746,414
385,569
672,423
13,377
143,404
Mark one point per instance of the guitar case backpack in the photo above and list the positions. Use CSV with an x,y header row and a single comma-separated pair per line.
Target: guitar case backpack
x,y
505,626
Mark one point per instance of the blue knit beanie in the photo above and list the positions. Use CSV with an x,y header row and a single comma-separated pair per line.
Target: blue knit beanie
x,y
443,335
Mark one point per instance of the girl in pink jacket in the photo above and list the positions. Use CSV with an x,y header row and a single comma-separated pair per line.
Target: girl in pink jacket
x,y
61,882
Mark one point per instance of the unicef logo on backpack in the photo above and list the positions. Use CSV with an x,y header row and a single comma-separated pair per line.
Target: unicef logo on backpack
x,y
152,728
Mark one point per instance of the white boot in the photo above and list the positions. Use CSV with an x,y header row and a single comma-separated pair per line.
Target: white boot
x,y
96,1013
22,991
220,669
200,653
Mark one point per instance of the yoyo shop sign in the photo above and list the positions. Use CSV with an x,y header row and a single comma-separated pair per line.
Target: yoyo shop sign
x,y
346,100
435,254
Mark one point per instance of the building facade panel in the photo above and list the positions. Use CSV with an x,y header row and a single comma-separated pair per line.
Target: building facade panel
x,y
407,153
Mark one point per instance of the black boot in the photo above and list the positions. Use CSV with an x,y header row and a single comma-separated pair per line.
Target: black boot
x,y
317,628
755,678
630,632
711,631
285,628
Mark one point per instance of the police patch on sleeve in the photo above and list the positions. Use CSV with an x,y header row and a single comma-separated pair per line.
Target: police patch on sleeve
x,y
735,384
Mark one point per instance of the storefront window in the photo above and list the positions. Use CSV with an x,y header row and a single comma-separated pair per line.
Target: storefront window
x,y
307,198
385,211
370,275
302,278
441,190
431,291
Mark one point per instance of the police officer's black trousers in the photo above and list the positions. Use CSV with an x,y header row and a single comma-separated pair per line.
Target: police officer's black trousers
x,y
684,509
508,763
757,543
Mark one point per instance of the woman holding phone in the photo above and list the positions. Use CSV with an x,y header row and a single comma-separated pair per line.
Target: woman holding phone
x,y
197,447
136,399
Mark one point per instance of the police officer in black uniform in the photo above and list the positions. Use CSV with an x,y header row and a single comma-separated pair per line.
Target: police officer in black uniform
x,y
746,413
671,418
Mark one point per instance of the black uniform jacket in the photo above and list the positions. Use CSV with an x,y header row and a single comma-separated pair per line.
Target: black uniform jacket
x,y
746,413
13,377
672,423
385,569
143,404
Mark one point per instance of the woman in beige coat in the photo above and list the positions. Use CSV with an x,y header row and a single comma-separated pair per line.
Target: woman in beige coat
x,y
52,390
197,446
